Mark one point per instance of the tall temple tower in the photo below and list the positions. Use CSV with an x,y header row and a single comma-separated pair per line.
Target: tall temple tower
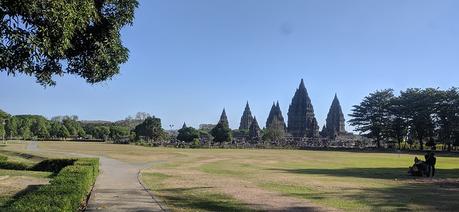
x,y
335,120
246,119
254,130
275,118
223,118
301,118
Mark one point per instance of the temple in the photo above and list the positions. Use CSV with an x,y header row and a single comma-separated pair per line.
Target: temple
x,y
246,119
301,119
335,120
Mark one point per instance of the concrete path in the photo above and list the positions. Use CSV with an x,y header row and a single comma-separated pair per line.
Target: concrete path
x,y
117,187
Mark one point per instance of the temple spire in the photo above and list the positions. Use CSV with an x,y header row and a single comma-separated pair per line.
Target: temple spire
x,y
254,130
335,120
301,118
224,118
246,119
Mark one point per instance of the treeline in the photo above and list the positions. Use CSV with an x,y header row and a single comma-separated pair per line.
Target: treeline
x,y
415,119
28,127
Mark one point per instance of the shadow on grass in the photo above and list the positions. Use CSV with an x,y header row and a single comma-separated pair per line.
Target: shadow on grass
x,y
18,195
373,173
434,196
196,199
438,194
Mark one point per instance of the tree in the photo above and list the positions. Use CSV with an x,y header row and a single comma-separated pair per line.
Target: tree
x,y
420,109
221,133
74,127
371,116
58,130
398,126
119,132
39,128
11,127
39,38
24,128
102,132
150,128
187,134
447,116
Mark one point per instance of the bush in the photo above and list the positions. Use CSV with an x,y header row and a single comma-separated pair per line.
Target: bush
x,y
3,158
66,192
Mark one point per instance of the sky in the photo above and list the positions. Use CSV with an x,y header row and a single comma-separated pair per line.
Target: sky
x,y
190,59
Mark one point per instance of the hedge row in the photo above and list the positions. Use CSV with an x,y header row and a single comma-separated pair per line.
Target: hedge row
x,y
66,192
51,165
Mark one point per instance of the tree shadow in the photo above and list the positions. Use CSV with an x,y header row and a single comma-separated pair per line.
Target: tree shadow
x,y
194,200
23,192
372,173
433,196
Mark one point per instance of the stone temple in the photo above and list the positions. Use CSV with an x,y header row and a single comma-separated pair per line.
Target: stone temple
x,y
301,119
335,120
254,130
246,119
275,118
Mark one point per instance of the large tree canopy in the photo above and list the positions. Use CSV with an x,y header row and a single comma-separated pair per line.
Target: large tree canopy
x,y
44,38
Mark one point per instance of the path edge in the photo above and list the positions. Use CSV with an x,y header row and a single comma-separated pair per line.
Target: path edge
x,y
161,204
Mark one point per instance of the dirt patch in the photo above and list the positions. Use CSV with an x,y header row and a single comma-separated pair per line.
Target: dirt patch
x,y
187,177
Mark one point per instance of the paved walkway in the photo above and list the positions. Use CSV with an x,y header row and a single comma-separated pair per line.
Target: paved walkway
x,y
117,187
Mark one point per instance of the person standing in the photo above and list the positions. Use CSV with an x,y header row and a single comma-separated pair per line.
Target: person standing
x,y
431,160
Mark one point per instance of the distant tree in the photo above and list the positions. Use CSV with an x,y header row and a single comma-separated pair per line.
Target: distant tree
x,y
221,133
420,106
39,128
74,127
188,134
24,128
118,132
398,125
371,117
11,127
102,132
39,38
150,128
447,116
58,130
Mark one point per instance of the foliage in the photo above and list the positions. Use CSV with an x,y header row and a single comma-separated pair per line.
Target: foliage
x,y
118,132
370,117
417,116
74,128
150,129
188,134
221,132
66,192
40,37
58,130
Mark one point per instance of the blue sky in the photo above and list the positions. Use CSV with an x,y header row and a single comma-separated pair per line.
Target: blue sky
x,y
189,59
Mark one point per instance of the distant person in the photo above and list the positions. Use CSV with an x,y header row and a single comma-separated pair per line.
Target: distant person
x,y
431,160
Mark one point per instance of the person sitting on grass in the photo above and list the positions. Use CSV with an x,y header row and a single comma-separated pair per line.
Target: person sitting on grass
x,y
419,168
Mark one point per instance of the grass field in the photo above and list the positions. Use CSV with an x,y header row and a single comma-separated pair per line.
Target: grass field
x,y
228,180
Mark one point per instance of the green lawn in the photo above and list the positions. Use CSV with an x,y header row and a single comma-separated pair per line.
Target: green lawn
x,y
229,179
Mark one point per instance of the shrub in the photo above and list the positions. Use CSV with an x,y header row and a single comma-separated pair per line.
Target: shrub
x,y
3,158
66,192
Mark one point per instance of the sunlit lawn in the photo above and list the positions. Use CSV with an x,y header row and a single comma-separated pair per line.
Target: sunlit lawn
x,y
228,179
